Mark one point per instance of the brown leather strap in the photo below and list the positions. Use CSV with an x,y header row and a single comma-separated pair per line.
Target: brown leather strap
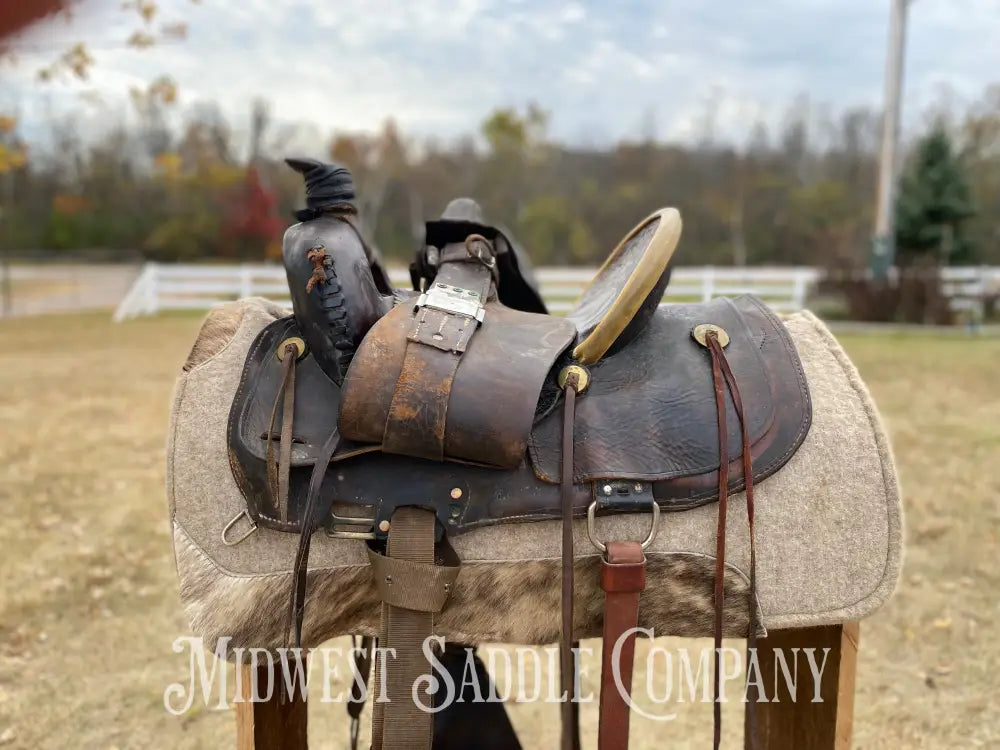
x,y
278,475
413,589
300,568
751,709
720,534
417,417
418,413
722,376
623,577
567,665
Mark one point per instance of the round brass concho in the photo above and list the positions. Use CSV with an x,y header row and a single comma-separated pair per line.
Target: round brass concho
x,y
582,377
298,343
700,334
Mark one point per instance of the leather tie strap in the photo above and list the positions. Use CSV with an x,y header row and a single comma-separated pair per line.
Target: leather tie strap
x,y
623,577
722,376
278,474
567,665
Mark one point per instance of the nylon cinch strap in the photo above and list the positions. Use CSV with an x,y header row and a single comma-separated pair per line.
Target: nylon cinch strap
x,y
413,589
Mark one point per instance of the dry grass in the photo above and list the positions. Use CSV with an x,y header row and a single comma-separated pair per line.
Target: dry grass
x,y
88,603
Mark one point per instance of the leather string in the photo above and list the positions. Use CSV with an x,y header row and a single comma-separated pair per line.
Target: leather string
x,y
300,568
723,377
623,577
567,666
751,709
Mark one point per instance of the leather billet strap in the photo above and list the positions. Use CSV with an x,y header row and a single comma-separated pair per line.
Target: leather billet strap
x,y
623,577
413,589
278,472
574,380
715,340
439,335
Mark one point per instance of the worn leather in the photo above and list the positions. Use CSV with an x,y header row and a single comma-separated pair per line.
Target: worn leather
x,y
649,413
665,396
349,279
481,411
623,577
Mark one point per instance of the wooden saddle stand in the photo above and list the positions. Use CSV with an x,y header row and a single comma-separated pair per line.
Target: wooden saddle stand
x,y
455,410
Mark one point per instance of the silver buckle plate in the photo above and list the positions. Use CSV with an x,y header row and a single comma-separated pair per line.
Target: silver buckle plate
x,y
453,299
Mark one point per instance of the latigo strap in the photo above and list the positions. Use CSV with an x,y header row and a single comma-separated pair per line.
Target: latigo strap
x,y
623,577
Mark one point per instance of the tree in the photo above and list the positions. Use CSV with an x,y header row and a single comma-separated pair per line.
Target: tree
x,y
934,204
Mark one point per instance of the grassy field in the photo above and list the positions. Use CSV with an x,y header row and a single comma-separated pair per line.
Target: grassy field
x,y
88,602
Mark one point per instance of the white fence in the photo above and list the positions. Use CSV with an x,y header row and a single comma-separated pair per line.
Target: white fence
x,y
190,287
968,286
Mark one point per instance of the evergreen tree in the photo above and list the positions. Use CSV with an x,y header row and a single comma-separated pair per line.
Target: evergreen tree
x,y
934,203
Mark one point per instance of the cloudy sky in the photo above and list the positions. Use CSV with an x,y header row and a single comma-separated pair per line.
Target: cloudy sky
x,y
604,70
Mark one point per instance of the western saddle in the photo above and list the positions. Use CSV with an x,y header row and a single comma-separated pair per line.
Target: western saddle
x,y
403,418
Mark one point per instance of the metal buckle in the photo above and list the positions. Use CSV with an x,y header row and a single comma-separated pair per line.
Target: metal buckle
x,y
601,546
336,520
229,526
453,299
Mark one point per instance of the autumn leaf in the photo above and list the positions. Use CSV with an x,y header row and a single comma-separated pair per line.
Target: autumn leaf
x,y
141,40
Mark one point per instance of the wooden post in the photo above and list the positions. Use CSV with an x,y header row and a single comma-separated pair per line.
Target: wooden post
x,y
802,724
274,724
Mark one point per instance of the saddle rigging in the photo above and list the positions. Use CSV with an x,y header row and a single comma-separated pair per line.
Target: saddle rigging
x,y
403,417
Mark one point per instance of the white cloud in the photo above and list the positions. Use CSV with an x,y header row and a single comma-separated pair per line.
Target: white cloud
x,y
438,67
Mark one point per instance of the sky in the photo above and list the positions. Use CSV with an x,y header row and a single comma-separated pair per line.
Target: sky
x,y
604,71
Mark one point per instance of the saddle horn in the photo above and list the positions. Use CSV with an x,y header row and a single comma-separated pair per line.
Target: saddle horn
x,y
335,279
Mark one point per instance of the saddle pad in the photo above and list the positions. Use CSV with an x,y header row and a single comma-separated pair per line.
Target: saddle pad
x,y
828,528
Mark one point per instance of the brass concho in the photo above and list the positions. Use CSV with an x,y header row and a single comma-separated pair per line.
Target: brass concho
x,y
295,341
582,377
700,334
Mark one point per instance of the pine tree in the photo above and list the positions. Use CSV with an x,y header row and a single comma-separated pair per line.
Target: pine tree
x,y
934,203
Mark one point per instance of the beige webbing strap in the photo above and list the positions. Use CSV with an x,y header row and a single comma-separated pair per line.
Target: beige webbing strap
x,y
413,588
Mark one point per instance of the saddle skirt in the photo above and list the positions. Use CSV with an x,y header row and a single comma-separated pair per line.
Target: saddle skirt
x,y
647,422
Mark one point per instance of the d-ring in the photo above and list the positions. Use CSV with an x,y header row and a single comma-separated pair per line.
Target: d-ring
x,y
592,532
253,527
484,257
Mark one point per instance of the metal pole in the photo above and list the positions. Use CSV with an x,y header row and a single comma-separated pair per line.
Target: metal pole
x,y
7,216
883,244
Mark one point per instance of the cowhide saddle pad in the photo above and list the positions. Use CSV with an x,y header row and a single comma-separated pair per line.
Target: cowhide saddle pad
x,y
828,521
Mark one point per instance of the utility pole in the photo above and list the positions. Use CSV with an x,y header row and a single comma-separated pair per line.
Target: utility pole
x,y
7,220
884,242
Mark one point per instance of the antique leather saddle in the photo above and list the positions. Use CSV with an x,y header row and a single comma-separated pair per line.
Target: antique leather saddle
x,y
374,412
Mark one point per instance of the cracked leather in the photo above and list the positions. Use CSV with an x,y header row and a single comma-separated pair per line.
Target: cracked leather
x,y
648,415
